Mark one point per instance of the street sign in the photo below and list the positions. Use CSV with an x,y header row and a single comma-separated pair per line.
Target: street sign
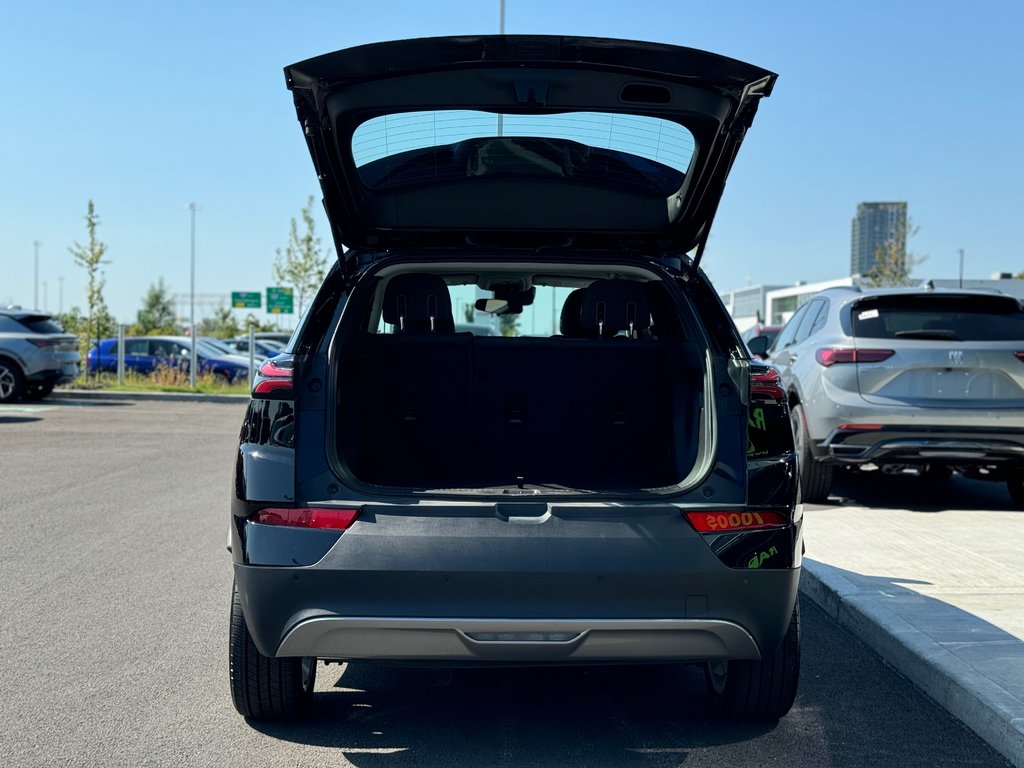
x,y
279,301
246,299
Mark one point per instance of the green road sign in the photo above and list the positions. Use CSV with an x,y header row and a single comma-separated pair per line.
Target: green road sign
x,y
246,299
279,301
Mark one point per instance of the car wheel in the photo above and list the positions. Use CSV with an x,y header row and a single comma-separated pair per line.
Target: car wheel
x,y
1016,487
12,383
263,687
815,476
38,392
758,690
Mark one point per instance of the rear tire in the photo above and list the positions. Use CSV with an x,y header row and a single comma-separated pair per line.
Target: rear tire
x,y
1015,485
38,392
12,382
263,687
815,476
758,691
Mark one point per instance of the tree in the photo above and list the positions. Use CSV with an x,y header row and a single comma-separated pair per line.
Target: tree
x,y
893,262
301,265
99,322
223,324
251,321
157,314
508,324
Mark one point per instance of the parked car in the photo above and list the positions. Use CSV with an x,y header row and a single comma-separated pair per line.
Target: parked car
x,y
624,491
264,348
278,337
144,354
906,381
35,354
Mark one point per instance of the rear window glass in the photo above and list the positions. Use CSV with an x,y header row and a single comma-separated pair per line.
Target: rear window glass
x,y
588,146
974,318
41,324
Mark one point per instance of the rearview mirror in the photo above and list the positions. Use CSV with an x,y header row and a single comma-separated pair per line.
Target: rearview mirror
x,y
492,306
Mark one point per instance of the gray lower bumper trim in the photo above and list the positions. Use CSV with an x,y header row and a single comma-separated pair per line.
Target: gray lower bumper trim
x,y
518,640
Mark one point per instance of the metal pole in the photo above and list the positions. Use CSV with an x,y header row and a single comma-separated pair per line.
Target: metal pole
x,y
35,294
46,301
501,31
192,207
961,267
120,353
252,354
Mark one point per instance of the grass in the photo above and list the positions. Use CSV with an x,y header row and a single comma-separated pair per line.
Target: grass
x,y
163,379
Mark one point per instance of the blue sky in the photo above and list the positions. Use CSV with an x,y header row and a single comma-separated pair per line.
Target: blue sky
x,y
145,107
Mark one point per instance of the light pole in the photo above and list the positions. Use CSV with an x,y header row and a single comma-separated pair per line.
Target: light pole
x,y
192,207
501,31
35,290
961,267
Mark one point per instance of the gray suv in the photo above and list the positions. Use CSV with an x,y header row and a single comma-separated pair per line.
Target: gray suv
x,y
35,354
908,381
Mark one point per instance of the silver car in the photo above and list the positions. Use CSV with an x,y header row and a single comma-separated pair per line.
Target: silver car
x,y
35,354
907,381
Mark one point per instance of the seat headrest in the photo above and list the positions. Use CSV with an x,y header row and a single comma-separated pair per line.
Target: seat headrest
x,y
569,323
418,302
612,306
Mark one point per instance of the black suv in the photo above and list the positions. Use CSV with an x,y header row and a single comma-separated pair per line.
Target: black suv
x,y
620,488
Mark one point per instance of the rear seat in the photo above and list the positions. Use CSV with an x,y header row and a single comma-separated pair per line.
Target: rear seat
x,y
411,410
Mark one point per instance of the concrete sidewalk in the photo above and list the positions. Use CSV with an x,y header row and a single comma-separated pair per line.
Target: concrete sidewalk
x,y
938,593
105,394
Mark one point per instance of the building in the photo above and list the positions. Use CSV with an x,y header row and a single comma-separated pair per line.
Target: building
x,y
877,227
747,305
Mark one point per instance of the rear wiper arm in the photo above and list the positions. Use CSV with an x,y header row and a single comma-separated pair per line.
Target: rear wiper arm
x,y
923,333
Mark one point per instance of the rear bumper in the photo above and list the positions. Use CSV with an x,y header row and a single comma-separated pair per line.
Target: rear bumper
x,y
902,443
517,640
722,614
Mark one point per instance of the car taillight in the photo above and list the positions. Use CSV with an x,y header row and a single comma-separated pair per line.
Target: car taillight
x,y
1020,356
714,522
272,377
833,356
334,519
44,342
859,426
767,384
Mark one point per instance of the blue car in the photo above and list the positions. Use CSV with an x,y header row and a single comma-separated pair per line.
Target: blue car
x,y
144,354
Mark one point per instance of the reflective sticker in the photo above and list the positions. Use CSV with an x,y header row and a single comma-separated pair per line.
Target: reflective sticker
x,y
758,560
756,419
867,314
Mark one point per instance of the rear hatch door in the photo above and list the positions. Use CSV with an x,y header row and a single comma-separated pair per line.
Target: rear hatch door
x,y
940,350
523,140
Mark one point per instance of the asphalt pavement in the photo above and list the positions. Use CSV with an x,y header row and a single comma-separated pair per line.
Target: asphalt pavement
x,y
115,597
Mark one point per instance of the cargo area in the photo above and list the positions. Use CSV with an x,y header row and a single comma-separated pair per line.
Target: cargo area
x,y
611,403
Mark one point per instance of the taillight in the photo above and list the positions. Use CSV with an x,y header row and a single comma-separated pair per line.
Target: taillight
x,y
834,356
767,383
272,378
44,342
713,522
1020,356
860,426
335,519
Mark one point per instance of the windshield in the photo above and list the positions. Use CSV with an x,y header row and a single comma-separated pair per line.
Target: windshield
x,y
207,349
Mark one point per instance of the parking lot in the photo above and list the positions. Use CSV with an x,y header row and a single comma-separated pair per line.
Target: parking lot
x,y
116,588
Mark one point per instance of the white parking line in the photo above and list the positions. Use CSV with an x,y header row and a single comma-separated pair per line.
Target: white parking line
x,y
25,408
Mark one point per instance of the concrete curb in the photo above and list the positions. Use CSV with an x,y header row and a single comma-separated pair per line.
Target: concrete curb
x,y
179,397
988,709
